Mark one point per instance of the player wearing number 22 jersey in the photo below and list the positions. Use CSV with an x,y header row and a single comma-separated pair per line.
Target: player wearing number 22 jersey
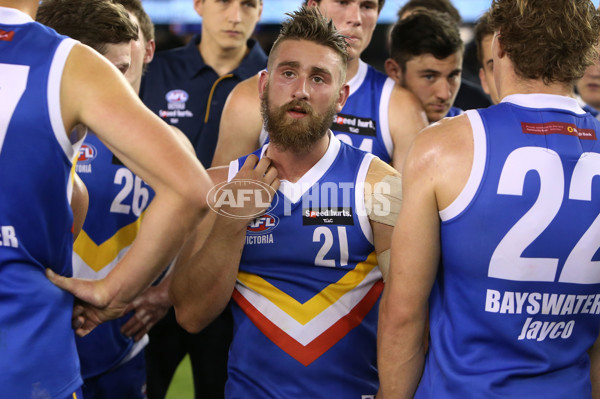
x,y
305,303
38,358
531,284
118,199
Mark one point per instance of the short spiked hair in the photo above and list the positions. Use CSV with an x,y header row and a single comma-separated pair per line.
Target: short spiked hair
x,y
309,24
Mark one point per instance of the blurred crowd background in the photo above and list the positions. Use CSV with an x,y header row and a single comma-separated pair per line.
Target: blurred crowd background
x,y
176,22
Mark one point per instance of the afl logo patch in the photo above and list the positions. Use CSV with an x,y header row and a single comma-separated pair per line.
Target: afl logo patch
x,y
87,153
263,224
177,96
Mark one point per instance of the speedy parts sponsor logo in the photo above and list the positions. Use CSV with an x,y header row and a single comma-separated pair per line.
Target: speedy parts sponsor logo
x,y
242,199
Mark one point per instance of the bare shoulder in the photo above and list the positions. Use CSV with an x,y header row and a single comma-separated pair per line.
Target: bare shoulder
x,y
245,92
241,122
406,97
408,110
448,134
442,154
406,119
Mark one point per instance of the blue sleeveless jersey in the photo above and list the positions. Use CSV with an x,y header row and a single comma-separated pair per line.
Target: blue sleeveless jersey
x,y
305,304
364,121
517,300
38,358
118,199
454,111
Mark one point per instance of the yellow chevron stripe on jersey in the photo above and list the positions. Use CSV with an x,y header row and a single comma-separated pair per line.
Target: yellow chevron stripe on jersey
x,y
98,256
303,313
72,178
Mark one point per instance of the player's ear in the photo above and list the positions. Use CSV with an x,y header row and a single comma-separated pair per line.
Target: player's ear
x,y
199,6
342,97
149,50
393,70
260,9
483,82
497,46
263,79
311,3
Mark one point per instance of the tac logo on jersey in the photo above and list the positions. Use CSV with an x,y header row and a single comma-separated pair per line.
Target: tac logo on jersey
x,y
6,36
326,216
263,224
354,124
177,96
87,153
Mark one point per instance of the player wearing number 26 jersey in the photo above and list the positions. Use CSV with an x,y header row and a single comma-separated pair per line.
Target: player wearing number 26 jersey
x,y
531,284
38,358
306,299
118,199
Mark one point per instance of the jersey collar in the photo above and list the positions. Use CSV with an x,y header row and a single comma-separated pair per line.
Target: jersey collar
x,y
12,16
359,78
294,191
541,101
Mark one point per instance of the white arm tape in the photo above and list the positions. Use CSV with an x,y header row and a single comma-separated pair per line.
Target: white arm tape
x,y
383,205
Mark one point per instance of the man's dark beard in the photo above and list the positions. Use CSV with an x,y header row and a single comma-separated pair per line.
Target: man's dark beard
x,y
296,135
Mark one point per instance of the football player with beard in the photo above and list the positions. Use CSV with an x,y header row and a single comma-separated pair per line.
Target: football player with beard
x,y
379,116
305,276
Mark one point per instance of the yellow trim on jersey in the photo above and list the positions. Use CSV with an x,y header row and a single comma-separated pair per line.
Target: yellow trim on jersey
x,y
303,313
72,178
98,256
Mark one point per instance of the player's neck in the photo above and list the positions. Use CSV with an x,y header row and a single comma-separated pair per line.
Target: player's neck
x,y
221,60
509,82
291,166
518,85
352,68
29,7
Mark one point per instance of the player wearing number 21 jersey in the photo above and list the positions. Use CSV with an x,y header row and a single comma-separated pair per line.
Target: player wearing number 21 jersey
x,y
305,303
303,270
